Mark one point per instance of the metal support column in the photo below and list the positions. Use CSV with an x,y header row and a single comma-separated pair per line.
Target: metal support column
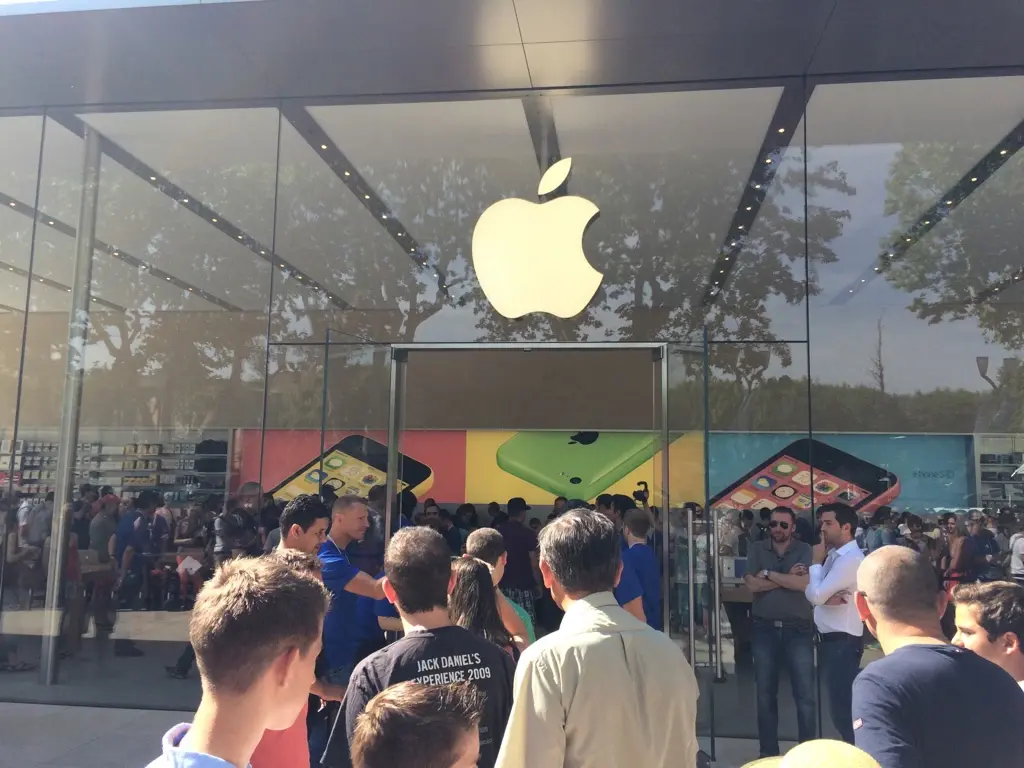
x,y
78,332
662,359
398,360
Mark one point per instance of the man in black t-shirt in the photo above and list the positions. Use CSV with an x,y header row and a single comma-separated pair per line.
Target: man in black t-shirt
x,y
927,704
418,572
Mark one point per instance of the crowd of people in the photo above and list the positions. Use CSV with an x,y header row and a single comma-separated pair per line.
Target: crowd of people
x,y
468,643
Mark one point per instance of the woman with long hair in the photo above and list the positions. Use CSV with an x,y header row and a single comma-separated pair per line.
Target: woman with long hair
x,y
473,605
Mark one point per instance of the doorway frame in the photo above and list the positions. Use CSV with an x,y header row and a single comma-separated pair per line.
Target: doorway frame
x,y
659,411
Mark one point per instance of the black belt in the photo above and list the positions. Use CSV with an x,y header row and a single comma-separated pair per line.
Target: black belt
x,y
781,623
828,637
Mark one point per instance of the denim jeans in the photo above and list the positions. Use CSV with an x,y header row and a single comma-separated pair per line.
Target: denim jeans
x,y
839,656
320,723
774,646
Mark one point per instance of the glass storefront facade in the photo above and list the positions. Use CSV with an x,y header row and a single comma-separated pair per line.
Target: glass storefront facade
x,y
827,261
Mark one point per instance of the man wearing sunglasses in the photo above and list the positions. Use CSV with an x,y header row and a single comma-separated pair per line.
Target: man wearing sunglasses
x,y
783,627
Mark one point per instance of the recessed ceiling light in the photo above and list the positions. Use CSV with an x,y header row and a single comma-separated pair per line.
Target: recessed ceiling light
x,y
323,146
750,207
907,239
1002,152
782,130
927,222
51,223
298,277
214,220
185,200
13,204
384,216
68,290
949,202
740,227
239,237
367,197
768,160
282,266
152,178
347,173
757,186
851,290
116,253
167,278
974,178
725,258
412,250
263,253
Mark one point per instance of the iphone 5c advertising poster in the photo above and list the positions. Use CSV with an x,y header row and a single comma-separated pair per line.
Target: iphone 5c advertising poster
x,y
748,471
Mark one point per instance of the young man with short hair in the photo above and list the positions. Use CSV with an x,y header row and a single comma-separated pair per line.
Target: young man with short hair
x,y
832,580
346,583
487,545
418,578
604,689
628,591
427,726
927,703
641,558
304,524
256,629
990,622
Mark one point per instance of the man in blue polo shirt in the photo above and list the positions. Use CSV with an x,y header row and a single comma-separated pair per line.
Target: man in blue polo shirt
x,y
642,559
346,583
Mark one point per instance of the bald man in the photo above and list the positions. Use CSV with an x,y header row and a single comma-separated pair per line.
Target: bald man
x,y
927,704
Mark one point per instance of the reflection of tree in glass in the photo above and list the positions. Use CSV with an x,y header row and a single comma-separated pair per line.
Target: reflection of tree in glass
x,y
974,249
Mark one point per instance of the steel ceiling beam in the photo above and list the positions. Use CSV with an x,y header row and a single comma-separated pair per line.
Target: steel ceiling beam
x,y
116,253
948,201
345,170
192,204
779,135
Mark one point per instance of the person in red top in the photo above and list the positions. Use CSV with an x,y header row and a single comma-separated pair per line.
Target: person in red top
x,y
304,524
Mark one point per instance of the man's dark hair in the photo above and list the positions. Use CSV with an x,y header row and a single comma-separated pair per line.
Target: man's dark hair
x,y
444,514
765,515
945,517
622,503
106,490
561,499
882,515
999,606
147,500
304,510
844,514
418,564
583,551
605,501
785,511
486,544
748,515
377,493
900,583
411,724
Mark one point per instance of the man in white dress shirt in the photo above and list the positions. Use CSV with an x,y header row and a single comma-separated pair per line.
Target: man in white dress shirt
x,y
832,580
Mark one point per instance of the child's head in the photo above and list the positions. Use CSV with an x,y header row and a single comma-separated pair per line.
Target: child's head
x,y
256,631
637,524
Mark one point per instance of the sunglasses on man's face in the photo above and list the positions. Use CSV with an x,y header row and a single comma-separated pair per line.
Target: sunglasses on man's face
x,y
779,524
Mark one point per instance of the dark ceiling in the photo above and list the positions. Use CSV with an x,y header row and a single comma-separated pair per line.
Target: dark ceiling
x,y
377,48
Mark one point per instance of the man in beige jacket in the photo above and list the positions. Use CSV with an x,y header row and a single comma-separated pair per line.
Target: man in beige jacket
x,y
605,689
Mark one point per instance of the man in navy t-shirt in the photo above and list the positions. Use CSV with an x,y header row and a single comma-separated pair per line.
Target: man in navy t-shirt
x,y
642,559
927,704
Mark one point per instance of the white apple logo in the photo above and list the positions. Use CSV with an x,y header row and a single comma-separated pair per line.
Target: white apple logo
x,y
529,256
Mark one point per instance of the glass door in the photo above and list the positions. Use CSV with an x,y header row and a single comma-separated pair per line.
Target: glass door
x,y
691,557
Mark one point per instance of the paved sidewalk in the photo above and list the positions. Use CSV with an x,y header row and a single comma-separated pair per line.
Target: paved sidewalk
x,y
46,736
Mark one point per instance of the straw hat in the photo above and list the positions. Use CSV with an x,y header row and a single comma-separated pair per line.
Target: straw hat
x,y
822,753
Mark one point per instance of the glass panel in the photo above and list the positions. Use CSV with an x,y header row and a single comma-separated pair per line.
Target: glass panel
x,y
929,260
690,541
25,469
174,368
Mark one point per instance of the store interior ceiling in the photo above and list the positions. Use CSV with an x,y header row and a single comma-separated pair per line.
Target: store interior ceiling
x,y
198,206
